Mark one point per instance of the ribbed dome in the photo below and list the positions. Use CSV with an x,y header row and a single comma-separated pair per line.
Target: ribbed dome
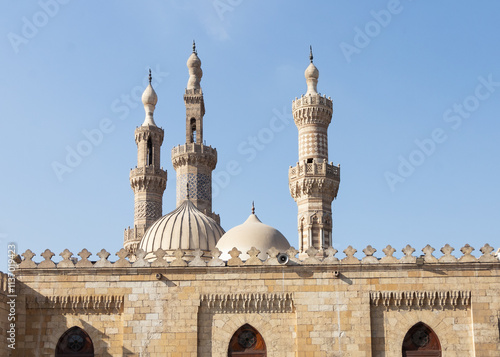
x,y
186,228
252,233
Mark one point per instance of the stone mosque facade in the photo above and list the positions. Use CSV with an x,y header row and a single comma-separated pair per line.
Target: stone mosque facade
x,y
183,286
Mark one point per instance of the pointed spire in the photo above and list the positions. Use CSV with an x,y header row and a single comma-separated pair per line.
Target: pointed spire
x,y
311,54
253,207
149,100
187,190
194,48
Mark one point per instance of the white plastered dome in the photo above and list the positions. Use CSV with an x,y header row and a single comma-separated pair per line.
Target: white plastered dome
x,y
252,233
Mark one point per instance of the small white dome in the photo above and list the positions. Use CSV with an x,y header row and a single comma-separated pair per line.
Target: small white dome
x,y
186,228
149,96
252,233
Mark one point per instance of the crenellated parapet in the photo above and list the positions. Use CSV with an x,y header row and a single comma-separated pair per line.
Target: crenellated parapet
x,y
312,109
179,259
194,154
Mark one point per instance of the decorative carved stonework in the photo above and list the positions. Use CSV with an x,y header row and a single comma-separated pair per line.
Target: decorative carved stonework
x,y
244,303
78,304
148,209
420,299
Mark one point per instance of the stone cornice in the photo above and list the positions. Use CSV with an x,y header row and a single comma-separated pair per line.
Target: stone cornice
x,y
78,304
420,299
247,303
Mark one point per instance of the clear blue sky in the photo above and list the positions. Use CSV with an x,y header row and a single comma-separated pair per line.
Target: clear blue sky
x,y
415,85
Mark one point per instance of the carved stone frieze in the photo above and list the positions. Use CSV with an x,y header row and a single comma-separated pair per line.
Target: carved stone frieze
x,y
78,304
243,303
420,299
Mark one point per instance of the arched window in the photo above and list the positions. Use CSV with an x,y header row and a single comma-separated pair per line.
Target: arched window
x,y
150,153
193,130
247,341
75,342
421,341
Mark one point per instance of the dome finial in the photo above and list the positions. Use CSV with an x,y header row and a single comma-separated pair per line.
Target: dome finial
x,y
311,53
253,207
187,190
149,100
195,72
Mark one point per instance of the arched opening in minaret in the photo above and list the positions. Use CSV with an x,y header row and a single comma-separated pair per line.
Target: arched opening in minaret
x,y
75,342
420,340
193,130
247,341
149,160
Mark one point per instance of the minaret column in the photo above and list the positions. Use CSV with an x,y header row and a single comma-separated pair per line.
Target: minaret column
x,y
148,179
313,182
194,161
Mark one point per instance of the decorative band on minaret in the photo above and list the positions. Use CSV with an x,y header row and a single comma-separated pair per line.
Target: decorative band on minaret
x,y
148,180
313,182
194,161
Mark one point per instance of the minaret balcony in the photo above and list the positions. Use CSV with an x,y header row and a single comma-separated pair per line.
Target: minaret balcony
x,y
149,170
314,169
193,153
313,100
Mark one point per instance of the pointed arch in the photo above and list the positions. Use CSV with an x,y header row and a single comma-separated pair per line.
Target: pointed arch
x,y
149,158
247,341
422,341
75,342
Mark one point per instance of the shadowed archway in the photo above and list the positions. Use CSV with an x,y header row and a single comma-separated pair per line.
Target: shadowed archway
x,y
421,341
248,342
75,342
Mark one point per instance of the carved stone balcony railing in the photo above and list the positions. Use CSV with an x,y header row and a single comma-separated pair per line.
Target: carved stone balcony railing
x,y
314,169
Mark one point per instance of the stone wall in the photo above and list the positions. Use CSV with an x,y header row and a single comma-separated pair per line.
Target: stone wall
x,y
315,307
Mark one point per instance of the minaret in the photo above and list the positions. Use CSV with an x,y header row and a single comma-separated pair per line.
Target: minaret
x,y
313,181
148,179
194,161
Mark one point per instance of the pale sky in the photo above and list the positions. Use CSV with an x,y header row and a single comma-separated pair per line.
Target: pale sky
x,y
415,86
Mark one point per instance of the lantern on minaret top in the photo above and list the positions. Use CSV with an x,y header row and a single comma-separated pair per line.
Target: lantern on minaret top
x,y
194,161
313,182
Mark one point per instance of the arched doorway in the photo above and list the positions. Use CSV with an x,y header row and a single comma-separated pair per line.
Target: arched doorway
x,y
248,342
75,342
421,341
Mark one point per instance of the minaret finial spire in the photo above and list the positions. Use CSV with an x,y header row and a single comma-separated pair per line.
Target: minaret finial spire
x,y
150,77
194,47
253,207
311,53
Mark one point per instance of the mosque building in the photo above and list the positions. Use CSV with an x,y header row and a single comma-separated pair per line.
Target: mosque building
x,y
183,286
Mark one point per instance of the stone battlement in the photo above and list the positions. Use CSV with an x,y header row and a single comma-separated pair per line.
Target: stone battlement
x,y
314,257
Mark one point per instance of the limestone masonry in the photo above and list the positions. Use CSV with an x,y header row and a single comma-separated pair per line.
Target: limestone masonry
x,y
182,286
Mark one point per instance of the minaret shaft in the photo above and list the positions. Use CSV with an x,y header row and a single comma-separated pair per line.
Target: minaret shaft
x,y
313,182
194,161
148,180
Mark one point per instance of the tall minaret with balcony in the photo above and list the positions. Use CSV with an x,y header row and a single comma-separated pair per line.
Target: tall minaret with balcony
x,y
313,181
194,161
148,180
